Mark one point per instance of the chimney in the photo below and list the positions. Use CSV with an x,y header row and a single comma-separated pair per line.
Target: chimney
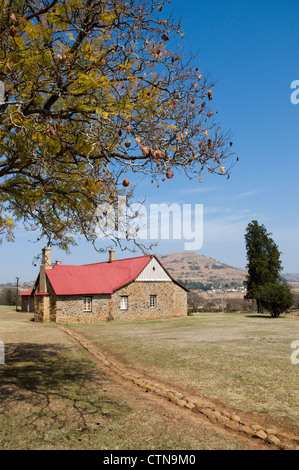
x,y
57,262
46,264
46,257
111,256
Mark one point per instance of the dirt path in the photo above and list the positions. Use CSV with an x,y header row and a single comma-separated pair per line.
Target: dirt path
x,y
243,429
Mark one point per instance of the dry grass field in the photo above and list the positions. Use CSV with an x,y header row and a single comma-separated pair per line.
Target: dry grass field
x,y
53,396
240,360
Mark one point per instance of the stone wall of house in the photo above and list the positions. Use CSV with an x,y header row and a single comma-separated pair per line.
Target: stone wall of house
x,y
70,309
24,300
42,308
38,309
171,301
52,302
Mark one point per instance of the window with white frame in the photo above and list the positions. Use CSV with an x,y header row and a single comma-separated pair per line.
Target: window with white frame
x,y
87,304
153,301
124,302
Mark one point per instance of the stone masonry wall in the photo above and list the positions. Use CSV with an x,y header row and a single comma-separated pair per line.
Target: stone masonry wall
x,y
24,300
171,302
38,309
70,309
42,308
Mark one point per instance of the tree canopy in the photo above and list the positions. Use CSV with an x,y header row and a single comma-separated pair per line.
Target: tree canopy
x,y
95,91
276,297
263,281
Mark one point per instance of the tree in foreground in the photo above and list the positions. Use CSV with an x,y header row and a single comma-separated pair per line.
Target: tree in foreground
x,y
263,281
96,91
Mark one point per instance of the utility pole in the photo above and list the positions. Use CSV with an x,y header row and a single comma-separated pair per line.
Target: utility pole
x,y
17,301
221,298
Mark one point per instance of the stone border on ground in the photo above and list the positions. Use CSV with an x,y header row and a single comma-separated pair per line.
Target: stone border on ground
x,y
271,436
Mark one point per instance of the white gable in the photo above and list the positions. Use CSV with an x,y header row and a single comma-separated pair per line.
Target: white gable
x,y
153,271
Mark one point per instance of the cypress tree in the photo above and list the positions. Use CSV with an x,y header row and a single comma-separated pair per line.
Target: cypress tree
x,y
264,264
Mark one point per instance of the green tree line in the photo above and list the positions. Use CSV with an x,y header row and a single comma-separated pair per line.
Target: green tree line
x,y
8,296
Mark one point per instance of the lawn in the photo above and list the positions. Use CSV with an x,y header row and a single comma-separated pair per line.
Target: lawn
x,y
240,360
52,396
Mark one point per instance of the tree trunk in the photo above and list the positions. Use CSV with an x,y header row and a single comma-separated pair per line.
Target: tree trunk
x,y
260,307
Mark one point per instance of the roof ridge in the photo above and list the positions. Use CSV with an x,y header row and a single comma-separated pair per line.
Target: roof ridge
x,y
117,260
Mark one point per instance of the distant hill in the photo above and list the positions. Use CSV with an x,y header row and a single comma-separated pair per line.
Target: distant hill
x,y
291,277
202,272
22,286
196,271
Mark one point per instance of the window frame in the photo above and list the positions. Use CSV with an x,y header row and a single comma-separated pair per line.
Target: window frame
x,y
87,302
154,298
124,298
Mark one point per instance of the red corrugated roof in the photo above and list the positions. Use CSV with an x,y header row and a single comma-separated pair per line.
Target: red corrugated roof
x,y
26,292
99,278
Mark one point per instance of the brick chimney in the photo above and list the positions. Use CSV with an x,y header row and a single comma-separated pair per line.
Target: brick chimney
x,y
111,256
46,264
46,257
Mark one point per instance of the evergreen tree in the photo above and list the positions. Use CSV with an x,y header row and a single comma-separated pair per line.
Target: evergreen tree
x,y
264,264
276,297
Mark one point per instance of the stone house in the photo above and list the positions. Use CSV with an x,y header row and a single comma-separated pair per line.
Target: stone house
x,y
134,288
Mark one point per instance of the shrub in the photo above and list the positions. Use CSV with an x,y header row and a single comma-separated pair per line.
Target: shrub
x,y
275,297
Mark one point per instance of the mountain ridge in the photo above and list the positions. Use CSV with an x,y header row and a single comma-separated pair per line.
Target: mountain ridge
x,y
200,269
191,267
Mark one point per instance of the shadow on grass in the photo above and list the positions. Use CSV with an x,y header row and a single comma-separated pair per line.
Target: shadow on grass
x,y
262,315
37,367
56,382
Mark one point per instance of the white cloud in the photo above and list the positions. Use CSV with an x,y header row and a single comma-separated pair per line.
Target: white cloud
x,y
253,192
200,190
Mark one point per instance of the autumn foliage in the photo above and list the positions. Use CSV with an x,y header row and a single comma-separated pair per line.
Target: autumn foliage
x,y
96,91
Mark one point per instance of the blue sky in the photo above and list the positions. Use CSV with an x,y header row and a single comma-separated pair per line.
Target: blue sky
x,y
251,49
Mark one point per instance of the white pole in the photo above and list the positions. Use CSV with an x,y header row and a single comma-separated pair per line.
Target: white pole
x,y
221,298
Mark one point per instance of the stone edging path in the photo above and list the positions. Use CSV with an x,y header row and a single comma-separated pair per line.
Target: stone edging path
x,y
272,436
